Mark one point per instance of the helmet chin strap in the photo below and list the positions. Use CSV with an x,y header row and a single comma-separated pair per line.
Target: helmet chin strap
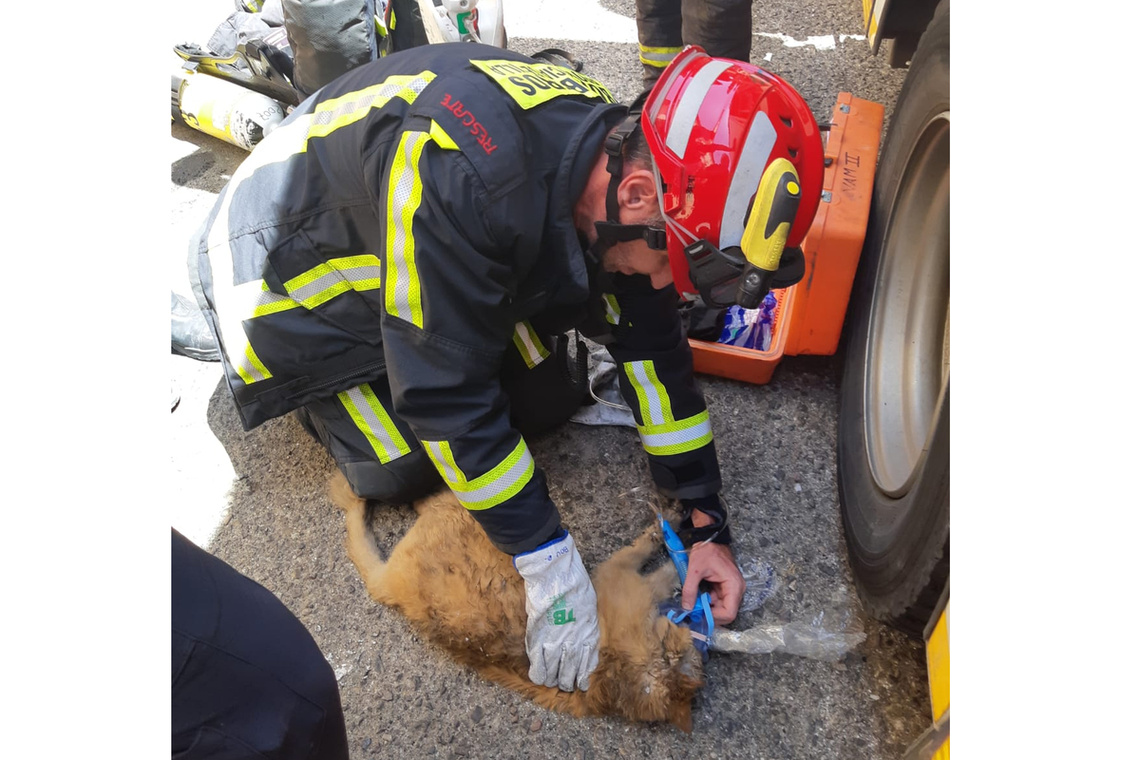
x,y
612,230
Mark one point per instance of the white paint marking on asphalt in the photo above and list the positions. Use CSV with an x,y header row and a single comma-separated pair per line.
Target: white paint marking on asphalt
x,y
584,20
820,42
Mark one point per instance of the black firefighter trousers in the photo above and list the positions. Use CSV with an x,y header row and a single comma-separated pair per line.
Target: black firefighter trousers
x,y
247,679
722,27
381,457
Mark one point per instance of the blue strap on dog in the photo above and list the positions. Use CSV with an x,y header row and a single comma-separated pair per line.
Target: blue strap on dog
x,y
699,619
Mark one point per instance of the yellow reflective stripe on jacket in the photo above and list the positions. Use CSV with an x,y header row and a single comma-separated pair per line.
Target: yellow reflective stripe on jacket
x,y
440,454
238,303
402,289
651,395
531,348
333,277
269,302
250,368
677,437
440,137
613,311
331,115
490,489
320,284
374,422
658,57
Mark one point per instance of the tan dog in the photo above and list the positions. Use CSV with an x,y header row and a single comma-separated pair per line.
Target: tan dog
x,y
463,594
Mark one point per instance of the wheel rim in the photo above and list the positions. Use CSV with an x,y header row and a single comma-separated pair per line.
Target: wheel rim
x,y
908,343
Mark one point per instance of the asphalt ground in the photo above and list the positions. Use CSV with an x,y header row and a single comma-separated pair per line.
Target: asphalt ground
x,y
256,499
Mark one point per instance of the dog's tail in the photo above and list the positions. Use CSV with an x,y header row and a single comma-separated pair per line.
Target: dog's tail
x,y
361,545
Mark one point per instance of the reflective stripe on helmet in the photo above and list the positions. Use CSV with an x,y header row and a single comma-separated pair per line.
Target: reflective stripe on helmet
x,y
753,161
493,487
373,420
685,112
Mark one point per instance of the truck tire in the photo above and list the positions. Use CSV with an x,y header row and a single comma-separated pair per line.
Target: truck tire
x,y
894,418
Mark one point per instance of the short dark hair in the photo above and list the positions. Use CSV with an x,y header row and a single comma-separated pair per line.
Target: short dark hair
x,y
637,150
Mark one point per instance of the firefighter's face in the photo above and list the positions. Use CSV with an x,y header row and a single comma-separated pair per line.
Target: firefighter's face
x,y
636,257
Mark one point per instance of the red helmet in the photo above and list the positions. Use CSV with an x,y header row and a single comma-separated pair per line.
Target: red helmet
x,y
713,126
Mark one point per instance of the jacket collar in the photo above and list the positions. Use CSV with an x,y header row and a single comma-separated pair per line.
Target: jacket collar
x,y
573,172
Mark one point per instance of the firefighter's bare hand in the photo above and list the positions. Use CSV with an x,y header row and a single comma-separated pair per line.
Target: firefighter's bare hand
x,y
715,565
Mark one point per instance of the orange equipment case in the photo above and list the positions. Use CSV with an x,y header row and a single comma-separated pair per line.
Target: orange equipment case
x,y
809,315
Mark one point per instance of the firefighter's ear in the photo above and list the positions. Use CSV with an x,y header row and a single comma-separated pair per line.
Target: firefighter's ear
x,y
637,192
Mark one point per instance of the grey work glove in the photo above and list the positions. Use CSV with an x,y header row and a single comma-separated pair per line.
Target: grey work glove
x,y
562,615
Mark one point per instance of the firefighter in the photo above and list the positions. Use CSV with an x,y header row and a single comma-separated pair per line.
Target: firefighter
x,y
393,260
723,28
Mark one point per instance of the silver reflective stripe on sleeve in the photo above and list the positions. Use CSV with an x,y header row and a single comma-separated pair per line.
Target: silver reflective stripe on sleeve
x,y
402,296
328,280
613,311
529,346
651,395
677,437
662,434
373,420
492,488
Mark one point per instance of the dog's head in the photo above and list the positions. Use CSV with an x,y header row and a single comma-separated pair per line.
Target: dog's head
x,y
652,674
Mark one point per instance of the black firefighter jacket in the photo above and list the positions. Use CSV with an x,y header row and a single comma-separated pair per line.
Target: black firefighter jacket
x,y
412,221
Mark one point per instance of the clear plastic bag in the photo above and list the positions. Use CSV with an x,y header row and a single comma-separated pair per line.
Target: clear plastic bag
x,y
826,637
760,584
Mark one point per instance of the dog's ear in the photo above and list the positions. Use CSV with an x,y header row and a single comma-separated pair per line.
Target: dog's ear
x,y
681,715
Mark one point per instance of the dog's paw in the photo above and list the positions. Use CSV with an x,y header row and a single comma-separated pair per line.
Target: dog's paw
x,y
341,493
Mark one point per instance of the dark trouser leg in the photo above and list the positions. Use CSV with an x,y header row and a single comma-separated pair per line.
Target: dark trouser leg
x,y
722,27
384,461
377,452
658,36
247,679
